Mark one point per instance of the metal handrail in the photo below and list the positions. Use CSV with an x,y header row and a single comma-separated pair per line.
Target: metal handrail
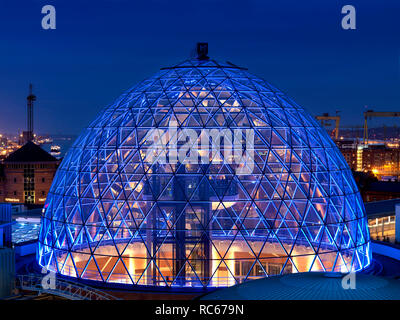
x,y
63,288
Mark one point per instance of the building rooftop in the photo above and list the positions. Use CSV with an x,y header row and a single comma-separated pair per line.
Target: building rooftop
x,y
384,186
311,286
381,208
30,152
377,147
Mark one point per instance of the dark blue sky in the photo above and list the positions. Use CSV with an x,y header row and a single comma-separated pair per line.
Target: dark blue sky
x,y
100,48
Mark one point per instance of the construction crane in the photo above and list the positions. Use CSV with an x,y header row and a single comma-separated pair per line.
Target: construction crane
x,y
326,119
371,114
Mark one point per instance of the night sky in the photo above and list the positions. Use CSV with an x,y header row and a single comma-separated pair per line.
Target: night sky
x,y
101,48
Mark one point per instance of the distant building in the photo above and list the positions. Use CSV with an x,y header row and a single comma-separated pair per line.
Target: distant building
x,y
381,160
349,152
26,175
372,189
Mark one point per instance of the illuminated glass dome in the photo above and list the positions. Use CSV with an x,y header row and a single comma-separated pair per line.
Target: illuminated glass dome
x,y
121,211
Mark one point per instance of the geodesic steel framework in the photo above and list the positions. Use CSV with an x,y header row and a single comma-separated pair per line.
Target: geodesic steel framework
x,y
113,216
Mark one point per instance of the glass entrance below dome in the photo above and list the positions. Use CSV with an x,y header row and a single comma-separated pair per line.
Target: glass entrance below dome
x,y
238,265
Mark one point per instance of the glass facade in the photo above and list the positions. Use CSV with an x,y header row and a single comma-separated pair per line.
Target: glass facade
x,y
113,215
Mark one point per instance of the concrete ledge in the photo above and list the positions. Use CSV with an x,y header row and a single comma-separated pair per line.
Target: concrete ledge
x,y
24,249
385,250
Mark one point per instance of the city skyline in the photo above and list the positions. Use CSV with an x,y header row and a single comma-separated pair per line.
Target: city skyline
x,y
97,52
207,150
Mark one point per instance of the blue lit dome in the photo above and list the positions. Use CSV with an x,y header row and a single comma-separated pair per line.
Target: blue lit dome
x,y
122,211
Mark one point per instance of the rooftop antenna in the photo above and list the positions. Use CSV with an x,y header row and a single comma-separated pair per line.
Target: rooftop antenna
x,y
30,99
202,51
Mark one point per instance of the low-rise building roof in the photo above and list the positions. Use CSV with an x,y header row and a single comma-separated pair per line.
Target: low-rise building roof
x,y
384,186
311,286
383,208
30,152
